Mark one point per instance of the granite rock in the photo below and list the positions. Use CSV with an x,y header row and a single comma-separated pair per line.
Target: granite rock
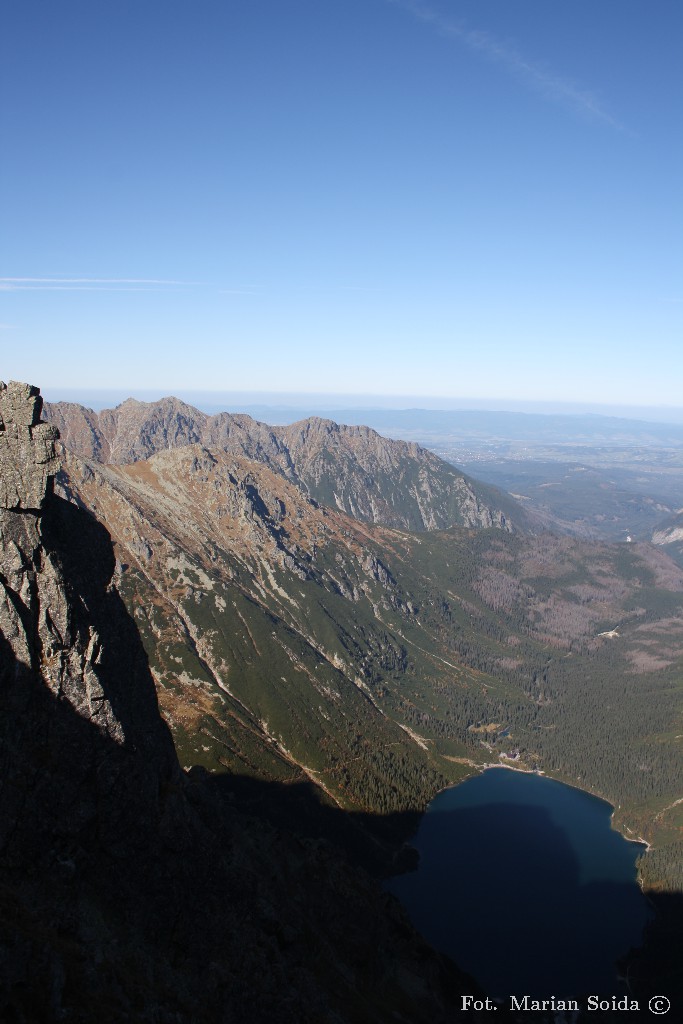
x,y
28,461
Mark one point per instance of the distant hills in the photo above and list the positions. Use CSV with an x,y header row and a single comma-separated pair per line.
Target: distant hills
x,y
550,428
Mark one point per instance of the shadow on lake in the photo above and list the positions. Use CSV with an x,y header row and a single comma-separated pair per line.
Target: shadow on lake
x,y
499,888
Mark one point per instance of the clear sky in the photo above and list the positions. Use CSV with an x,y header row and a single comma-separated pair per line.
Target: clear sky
x,y
476,198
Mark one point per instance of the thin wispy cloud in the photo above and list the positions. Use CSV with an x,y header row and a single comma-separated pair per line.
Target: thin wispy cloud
x,y
89,283
538,77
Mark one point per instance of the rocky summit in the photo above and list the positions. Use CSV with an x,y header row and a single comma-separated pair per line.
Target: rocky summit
x,y
135,891
27,450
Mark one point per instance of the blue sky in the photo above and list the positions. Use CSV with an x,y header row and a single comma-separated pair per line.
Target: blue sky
x,y
459,198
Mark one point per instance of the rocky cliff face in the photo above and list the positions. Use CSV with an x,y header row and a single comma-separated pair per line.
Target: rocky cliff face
x,y
86,759
61,620
131,890
352,468
27,452
669,535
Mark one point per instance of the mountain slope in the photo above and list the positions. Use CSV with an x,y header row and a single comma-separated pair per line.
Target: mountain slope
x,y
289,640
394,483
262,614
127,885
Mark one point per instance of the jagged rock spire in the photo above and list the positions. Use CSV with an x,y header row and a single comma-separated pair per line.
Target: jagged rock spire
x,y
27,448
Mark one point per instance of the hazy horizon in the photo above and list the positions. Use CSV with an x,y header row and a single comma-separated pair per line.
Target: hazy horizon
x,y
210,400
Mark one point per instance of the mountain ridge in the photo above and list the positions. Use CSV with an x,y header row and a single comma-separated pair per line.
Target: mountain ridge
x,y
353,468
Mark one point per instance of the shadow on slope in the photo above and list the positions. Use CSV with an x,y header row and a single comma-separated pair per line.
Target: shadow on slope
x,y
657,967
375,843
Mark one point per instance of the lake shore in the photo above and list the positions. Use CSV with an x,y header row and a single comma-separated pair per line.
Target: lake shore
x,y
481,768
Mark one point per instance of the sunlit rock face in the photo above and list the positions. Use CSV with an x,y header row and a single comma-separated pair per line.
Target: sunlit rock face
x,y
350,468
27,465
85,757
59,613
27,448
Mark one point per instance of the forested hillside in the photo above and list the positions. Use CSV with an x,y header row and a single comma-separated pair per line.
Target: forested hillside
x,y
290,641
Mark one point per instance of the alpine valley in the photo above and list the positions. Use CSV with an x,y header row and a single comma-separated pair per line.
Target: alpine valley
x,y
335,627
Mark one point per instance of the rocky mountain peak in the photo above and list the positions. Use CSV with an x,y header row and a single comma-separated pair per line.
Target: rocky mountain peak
x,y
27,448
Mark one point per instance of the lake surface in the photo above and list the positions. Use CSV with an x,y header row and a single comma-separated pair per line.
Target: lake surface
x,y
524,884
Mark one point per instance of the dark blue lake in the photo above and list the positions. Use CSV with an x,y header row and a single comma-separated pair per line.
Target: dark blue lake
x,y
524,884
